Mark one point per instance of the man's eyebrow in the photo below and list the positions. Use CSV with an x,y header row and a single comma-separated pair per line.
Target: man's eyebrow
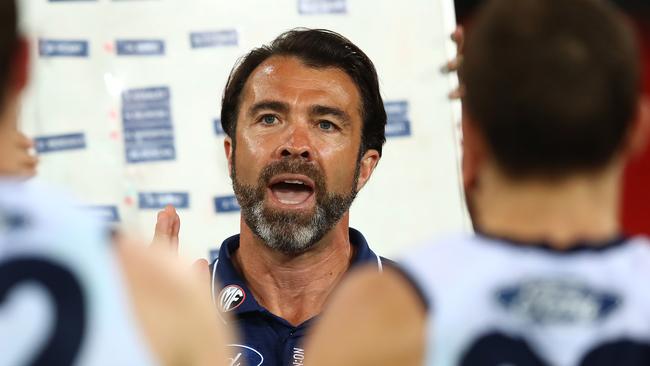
x,y
322,110
271,105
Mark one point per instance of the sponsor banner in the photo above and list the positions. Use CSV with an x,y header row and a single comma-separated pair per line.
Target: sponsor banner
x,y
151,47
398,123
158,200
62,48
148,130
218,129
226,204
105,213
310,7
48,144
220,38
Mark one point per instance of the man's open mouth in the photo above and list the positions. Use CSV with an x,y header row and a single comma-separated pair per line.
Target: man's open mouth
x,y
291,189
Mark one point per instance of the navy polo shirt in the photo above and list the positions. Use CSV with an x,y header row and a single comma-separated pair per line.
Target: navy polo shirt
x,y
265,339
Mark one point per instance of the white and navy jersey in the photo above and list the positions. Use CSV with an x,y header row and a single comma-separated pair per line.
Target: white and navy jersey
x,y
62,296
496,302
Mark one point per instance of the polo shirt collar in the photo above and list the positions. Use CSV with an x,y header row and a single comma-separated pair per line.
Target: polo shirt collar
x,y
234,295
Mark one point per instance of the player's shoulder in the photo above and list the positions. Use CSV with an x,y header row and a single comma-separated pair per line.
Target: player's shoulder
x,y
441,252
372,301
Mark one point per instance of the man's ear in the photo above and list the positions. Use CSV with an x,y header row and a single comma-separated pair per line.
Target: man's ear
x,y
228,149
639,130
474,153
368,163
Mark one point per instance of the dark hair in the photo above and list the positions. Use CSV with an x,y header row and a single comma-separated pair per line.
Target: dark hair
x,y
317,48
8,41
552,85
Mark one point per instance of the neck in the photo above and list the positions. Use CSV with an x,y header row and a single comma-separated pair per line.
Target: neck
x,y
559,213
294,287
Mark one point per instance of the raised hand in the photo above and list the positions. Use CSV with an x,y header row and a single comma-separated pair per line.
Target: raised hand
x,y
458,36
17,160
168,224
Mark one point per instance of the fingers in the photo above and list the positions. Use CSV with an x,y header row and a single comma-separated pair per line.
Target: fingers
x,y
163,230
458,36
27,166
176,227
452,65
18,161
24,141
457,93
201,268
166,231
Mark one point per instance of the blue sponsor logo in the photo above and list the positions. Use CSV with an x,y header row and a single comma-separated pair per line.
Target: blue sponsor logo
x,y
148,131
143,154
218,128
245,355
221,38
158,200
148,135
226,204
150,47
311,7
398,123
73,141
105,213
158,94
146,115
557,301
62,48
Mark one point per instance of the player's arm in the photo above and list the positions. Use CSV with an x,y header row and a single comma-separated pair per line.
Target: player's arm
x,y
173,307
372,319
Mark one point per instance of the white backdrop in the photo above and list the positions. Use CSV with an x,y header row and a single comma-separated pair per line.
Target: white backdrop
x,y
125,100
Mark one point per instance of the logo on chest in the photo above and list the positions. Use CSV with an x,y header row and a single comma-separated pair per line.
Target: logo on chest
x,y
231,297
245,355
558,301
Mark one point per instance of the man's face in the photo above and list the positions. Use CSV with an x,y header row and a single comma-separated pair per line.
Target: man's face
x,y
296,169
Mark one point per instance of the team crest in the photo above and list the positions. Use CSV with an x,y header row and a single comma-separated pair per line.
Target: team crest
x,y
231,297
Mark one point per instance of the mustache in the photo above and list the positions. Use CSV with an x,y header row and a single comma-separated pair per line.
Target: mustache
x,y
293,166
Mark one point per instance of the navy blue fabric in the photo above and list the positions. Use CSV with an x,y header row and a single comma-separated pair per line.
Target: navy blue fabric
x,y
266,339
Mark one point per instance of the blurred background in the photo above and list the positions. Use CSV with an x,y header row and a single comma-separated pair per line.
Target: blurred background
x,y
124,104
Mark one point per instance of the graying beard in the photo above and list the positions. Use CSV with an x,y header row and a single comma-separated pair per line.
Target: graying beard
x,y
300,240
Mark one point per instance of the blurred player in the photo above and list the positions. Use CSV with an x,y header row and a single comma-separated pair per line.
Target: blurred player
x,y
553,111
68,296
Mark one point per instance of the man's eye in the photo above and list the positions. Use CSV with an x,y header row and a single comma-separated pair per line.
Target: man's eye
x,y
269,119
326,125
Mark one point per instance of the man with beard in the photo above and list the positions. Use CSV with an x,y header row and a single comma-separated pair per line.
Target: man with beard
x,y
305,127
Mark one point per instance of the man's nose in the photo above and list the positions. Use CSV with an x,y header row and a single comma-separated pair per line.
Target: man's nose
x,y
297,144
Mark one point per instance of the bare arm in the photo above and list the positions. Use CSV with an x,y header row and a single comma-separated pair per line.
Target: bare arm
x,y
173,307
373,319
